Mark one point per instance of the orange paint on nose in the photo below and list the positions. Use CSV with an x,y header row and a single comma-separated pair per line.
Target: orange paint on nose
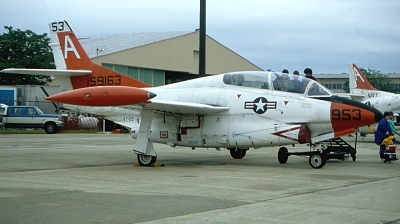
x,y
345,117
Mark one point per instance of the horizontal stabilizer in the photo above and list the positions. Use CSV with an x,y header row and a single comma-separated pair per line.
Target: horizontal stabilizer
x,y
47,72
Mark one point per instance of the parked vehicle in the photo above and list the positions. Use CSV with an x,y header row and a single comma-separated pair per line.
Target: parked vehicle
x,y
30,117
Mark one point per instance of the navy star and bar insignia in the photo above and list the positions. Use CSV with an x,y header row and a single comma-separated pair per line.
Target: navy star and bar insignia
x,y
260,105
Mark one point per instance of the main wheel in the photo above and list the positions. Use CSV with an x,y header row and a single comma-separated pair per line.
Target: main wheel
x,y
145,160
353,156
317,160
50,128
282,155
237,153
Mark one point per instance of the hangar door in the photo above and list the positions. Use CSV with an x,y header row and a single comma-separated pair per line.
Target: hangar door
x,y
150,76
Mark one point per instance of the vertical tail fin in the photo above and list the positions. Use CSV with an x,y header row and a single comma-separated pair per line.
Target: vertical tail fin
x,y
357,79
69,54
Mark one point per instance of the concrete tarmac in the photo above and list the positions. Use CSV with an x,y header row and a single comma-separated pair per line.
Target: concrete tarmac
x,y
90,178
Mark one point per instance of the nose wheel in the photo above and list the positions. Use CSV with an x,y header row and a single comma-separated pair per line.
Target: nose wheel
x,y
145,160
317,160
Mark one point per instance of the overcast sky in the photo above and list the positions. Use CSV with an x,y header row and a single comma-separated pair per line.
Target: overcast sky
x,y
325,35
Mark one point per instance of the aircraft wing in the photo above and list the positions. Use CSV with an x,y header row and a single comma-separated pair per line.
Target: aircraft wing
x,y
46,72
183,107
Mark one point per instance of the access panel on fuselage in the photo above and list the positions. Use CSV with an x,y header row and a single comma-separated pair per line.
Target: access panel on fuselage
x,y
164,128
215,130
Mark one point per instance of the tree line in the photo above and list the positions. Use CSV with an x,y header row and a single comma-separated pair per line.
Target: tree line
x,y
24,49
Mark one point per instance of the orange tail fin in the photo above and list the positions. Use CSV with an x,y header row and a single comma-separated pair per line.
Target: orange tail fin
x,y
358,79
69,54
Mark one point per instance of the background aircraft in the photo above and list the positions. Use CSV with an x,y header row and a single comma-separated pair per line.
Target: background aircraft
x,y
362,90
237,111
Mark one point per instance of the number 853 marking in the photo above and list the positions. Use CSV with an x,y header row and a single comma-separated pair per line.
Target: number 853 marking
x,y
346,114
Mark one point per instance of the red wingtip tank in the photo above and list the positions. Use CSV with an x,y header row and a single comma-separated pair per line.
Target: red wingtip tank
x,y
103,96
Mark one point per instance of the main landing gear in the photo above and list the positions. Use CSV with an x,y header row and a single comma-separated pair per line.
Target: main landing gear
x,y
237,153
323,151
145,160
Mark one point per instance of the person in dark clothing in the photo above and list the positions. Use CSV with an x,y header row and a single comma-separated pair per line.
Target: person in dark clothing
x,y
308,73
383,131
313,90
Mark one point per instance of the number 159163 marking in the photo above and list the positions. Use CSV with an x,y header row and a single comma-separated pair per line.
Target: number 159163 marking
x,y
346,114
107,80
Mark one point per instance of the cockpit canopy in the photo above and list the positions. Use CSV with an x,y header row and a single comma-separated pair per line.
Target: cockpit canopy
x,y
277,82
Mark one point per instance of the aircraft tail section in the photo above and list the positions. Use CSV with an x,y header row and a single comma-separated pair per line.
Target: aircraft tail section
x,y
64,48
358,81
69,55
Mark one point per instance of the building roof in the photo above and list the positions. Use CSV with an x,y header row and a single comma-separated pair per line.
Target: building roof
x,y
331,76
346,76
111,43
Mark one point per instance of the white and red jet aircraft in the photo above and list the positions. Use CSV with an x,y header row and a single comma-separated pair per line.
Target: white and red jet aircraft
x,y
362,90
236,111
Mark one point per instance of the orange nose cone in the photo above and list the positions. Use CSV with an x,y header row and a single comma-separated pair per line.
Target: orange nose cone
x,y
103,96
346,116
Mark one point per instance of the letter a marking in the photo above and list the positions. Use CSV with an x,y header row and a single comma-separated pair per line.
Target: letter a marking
x,y
70,47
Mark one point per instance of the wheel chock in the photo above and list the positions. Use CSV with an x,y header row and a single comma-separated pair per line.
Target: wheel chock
x,y
152,165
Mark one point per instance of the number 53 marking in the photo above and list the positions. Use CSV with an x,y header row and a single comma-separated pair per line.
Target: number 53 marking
x,y
57,26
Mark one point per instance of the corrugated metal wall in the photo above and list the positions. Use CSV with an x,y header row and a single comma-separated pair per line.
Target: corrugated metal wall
x,y
150,76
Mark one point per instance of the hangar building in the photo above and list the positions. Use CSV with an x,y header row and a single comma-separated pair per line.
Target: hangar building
x,y
159,58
